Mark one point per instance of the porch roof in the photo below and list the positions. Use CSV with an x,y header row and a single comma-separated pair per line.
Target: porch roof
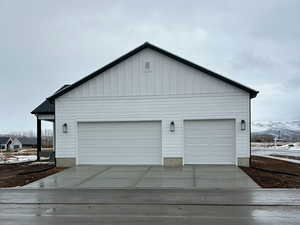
x,y
47,106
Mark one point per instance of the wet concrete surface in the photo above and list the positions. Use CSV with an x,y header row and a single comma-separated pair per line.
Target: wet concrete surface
x,y
275,197
148,206
189,177
132,214
217,195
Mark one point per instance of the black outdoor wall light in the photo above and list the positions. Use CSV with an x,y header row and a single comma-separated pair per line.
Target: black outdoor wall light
x,y
243,125
172,126
65,128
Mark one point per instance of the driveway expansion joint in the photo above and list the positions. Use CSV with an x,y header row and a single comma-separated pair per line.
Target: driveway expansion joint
x,y
143,174
93,176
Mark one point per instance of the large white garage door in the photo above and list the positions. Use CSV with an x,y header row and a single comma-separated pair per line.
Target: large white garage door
x,y
125,143
209,142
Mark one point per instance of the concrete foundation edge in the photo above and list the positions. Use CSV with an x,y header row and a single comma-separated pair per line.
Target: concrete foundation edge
x,y
168,162
65,162
173,162
244,162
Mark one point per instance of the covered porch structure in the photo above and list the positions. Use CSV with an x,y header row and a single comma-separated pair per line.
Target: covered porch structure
x,y
45,112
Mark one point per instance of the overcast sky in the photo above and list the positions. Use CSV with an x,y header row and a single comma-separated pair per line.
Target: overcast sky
x,y
45,44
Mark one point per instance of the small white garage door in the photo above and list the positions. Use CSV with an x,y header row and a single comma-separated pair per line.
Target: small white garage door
x,y
124,143
209,142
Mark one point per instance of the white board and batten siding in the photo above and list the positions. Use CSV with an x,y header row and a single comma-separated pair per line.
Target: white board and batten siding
x,y
171,91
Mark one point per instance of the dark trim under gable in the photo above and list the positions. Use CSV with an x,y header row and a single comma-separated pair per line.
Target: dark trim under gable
x,y
252,92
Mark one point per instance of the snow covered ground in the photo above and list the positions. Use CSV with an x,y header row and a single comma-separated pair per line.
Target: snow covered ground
x,y
17,159
277,151
267,152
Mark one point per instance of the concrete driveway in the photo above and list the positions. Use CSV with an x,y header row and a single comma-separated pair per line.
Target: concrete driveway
x,y
197,176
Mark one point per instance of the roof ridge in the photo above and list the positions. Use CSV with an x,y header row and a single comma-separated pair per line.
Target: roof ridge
x,y
252,92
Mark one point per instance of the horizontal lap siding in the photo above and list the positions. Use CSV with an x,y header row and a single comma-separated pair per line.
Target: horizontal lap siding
x,y
165,109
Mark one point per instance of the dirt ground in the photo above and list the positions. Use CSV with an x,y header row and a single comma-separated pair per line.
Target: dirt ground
x,y
268,173
269,177
287,156
15,175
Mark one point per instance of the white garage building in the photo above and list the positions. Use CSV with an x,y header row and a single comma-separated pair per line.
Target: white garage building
x,y
151,107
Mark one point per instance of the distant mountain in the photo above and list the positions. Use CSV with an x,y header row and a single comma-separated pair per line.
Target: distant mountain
x,y
285,129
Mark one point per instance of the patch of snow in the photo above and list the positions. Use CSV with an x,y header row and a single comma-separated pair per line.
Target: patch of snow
x,y
42,163
278,151
291,146
280,145
267,152
17,159
26,150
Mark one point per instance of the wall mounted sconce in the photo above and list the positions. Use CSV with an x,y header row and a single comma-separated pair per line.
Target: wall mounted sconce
x,y
65,128
243,125
172,126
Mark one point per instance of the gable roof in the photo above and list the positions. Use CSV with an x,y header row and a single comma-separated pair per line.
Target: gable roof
x,y
4,139
251,91
47,106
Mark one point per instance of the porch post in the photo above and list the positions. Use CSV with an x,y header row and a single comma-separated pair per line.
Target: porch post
x,y
39,138
54,141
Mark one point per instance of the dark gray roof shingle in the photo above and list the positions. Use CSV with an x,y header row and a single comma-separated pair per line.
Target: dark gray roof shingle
x,y
4,139
27,140
48,107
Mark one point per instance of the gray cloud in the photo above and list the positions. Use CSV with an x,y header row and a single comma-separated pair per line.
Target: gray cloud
x,y
45,44
249,61
293,83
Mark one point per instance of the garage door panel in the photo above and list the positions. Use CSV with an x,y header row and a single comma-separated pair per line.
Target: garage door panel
x,y
123,142
209,142
119,143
